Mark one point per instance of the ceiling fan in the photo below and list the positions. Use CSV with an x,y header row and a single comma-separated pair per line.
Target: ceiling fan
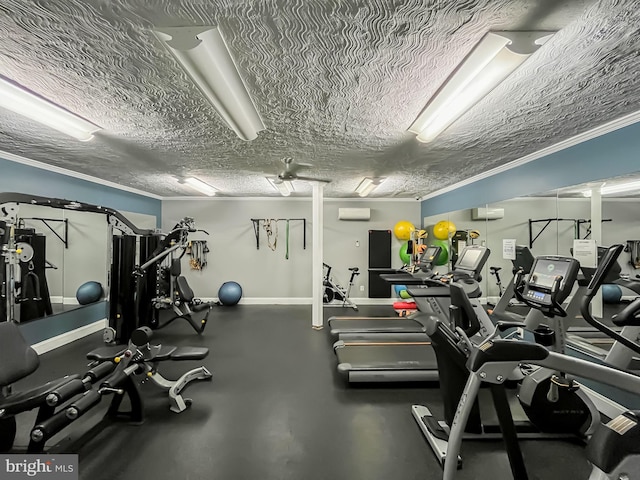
x,y
290,172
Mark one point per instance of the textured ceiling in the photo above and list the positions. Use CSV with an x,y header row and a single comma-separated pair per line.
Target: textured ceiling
x,y
336,83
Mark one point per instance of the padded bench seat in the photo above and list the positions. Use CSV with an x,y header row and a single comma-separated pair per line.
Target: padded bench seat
x,y
166,352
189,353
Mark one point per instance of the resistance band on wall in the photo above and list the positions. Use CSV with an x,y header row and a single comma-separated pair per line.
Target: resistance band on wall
x,y
270,226
272,238
286,255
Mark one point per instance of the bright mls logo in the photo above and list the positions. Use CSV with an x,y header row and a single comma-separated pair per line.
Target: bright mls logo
x,y
52,467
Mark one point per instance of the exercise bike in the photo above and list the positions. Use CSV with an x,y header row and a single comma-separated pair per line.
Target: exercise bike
x,y
334,295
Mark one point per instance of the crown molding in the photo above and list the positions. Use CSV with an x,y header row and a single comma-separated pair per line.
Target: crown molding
x,y
285,199
11,157
596,132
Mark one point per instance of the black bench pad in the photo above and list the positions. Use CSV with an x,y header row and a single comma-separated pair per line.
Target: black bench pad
x,y
190,353
106,353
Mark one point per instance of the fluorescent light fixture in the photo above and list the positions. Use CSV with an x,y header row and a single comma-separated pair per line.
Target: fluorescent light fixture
x,y
204,56
368,185
36,108
618,188
199,185
491,61
285,187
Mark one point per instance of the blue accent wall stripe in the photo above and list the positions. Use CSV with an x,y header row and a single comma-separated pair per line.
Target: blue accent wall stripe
x,y
17,177
36,331
616,153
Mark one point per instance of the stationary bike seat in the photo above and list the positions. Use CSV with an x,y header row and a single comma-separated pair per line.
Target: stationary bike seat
x,y
354,269
495,269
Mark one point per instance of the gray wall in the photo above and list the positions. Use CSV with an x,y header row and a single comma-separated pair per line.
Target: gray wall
x,y
265,273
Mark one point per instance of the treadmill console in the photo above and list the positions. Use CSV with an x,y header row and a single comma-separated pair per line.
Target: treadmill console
x,y
524,259
471,261
550,283
429,256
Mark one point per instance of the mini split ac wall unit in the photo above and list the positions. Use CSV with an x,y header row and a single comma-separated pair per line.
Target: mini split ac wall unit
x,y
487,213
362,214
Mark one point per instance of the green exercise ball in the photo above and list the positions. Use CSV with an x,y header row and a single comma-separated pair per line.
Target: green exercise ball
x,y
443,258
404,256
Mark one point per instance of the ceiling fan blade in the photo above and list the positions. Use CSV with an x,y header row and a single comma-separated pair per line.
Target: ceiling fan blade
x,y
311,179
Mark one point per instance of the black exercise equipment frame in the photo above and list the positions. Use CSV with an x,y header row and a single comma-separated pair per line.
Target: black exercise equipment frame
x,y
577,223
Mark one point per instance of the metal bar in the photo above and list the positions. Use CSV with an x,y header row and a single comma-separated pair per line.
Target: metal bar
x,y
64,240
159,256
548,220
256,231
532,240
509,434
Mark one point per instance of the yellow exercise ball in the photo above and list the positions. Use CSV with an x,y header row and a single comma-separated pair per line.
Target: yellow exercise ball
x,y
403,230
440,230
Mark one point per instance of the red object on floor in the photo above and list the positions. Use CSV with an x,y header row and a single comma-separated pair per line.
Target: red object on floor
x,y
405,306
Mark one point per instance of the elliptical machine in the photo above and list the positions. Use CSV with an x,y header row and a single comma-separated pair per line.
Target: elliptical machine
x,y
614,449
334,295
551,400
555,406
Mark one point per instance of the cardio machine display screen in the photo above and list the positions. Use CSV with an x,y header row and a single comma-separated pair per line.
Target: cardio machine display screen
x,y
469,259
429,253
546,272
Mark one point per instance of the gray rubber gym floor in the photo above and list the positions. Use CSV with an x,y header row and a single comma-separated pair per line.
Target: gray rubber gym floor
x,y
277,410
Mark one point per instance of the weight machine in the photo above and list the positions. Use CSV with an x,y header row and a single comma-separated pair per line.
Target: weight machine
x,y
17,278
140,292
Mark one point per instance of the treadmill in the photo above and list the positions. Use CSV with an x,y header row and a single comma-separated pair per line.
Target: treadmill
x,y
379,359
434,300
417,274
399,361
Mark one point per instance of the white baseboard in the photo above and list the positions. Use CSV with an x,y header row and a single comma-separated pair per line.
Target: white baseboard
x,y
267,300
70,301
276,301
302,300
68,337
56,299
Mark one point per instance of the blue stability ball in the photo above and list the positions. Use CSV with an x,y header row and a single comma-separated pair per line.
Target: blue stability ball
x,y
89,292
230,293
611,293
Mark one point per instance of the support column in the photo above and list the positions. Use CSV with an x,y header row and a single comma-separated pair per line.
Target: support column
x,y
317,222
596,234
